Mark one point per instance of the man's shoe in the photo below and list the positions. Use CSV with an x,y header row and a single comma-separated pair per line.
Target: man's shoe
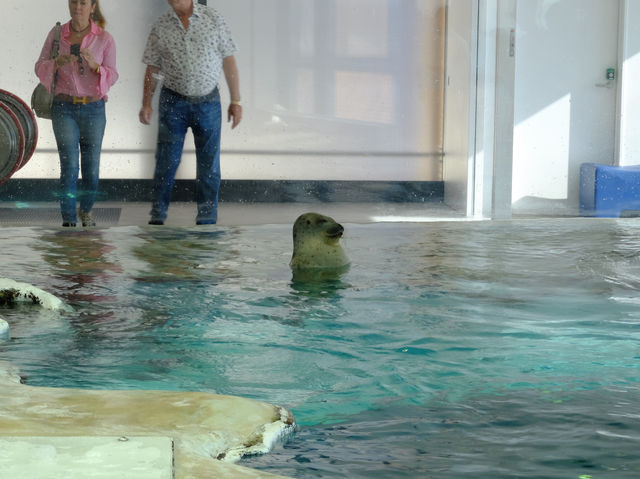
x,y
86,218
156,222
68,224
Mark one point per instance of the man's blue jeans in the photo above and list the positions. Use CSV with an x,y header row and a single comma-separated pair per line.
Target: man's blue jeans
x,y
176,115
79,130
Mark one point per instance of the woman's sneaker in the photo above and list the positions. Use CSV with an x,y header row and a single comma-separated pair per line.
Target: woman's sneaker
x,y
86,218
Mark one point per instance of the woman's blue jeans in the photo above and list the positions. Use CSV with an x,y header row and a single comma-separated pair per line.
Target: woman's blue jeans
x,y
176,115
79,130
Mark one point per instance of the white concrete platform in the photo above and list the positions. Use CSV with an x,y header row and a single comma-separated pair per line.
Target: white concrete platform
x,y
86,457
244,214
209,432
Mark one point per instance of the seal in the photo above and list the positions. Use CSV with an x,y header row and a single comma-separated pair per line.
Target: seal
x,y
316,244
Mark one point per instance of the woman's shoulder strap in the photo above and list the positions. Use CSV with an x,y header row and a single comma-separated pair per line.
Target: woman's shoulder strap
x,y
56,40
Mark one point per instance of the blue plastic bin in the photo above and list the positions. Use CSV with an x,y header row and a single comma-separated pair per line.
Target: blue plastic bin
x,y
609,191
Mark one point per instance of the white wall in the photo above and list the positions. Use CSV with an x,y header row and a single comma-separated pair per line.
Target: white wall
x,y
332,89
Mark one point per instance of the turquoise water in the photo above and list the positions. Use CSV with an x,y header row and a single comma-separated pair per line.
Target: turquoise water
x,y
449,350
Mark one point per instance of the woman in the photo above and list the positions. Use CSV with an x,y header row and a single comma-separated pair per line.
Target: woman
x,y
86,69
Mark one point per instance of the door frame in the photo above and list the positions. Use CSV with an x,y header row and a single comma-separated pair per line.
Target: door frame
x,y
477,167
478,174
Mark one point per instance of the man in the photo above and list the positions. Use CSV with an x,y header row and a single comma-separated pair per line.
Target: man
x,y
190,46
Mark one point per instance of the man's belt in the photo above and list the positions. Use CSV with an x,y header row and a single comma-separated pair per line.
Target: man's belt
x,y
193,99
78,100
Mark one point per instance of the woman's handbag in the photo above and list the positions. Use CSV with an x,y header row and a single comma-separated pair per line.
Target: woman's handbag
x,y
41,98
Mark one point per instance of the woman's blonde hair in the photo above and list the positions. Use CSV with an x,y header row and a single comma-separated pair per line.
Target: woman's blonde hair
x,y
97,15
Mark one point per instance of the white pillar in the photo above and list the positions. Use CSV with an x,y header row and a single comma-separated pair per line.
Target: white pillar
x,y
506,50
485,116
460,104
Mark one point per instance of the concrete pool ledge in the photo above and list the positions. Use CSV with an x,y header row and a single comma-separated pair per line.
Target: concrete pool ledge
x,y
209,432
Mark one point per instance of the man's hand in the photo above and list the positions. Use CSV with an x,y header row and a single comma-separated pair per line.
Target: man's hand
x,y
150,80
234,114
145,115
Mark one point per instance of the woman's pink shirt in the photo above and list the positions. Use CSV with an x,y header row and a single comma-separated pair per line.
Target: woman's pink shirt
x,y
70,81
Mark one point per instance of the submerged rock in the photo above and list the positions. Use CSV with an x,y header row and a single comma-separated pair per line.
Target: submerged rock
x,y
4,329
12,292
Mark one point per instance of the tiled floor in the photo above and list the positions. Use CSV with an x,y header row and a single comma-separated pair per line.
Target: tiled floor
x,y
183,214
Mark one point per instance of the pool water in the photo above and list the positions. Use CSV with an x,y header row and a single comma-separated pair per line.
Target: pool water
x,y
449,350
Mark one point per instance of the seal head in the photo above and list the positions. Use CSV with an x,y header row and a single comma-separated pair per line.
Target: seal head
x,y
316,244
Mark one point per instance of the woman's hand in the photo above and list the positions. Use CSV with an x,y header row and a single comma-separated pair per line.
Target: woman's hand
x,y
62,60
87,56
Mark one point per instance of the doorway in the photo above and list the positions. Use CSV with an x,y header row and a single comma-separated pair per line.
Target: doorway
x,y
527,101
565,99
